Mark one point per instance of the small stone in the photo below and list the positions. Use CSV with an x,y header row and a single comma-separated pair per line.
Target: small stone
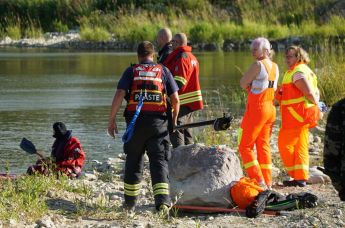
x,y
50,194
45,222
90,176
313,220
115,197
312,151
138,224
190,222
341,223
317,139
338,212
12,222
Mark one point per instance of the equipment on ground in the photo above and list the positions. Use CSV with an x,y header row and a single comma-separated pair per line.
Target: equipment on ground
x,y
29,147
220,210
219,124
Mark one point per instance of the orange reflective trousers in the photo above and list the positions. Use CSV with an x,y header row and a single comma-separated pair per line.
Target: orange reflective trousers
x,y
256,129
293,148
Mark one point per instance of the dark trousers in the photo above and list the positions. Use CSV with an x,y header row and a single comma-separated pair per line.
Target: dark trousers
x,y
183,136
150,135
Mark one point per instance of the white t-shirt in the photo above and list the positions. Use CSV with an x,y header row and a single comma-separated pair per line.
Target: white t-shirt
x,y
260,83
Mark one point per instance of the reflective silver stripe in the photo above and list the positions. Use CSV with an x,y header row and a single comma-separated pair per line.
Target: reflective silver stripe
x,y
296,167
132,193
147,73
147,79
190,94
161,185
190,100
132,186
180,79
161,192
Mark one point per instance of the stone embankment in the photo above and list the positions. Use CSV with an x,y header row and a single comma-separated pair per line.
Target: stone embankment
x,y
72,40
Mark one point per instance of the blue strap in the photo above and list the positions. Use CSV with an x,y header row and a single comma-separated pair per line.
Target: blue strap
x,y
130,128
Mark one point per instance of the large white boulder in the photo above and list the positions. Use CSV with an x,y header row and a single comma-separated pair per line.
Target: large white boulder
x,y
201,175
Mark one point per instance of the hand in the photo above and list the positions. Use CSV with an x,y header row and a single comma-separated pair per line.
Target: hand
x,y
174,126
76,170
112,129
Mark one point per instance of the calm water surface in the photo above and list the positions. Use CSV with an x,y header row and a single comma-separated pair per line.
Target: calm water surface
x,y
39,87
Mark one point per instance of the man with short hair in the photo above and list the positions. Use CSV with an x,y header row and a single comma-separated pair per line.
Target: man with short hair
x,y
334,148
185,68
150,83
164,43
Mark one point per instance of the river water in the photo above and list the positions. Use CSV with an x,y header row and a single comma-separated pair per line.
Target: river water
x,y
39,87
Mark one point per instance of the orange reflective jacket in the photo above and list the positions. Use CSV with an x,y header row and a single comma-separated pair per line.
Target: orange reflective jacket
x,y
296,110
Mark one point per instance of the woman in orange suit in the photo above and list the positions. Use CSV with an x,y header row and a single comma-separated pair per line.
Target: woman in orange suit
x,y
260,81
298,98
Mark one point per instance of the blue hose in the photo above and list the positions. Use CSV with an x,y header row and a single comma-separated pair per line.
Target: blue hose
x,y
130,128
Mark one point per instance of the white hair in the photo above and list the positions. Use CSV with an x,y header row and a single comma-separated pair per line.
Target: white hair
x,y
264,44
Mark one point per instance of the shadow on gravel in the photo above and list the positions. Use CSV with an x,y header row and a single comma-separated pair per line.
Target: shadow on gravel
x,y
65,206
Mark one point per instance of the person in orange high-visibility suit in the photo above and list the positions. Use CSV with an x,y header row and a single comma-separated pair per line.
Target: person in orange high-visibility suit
x,y
298,98
260,81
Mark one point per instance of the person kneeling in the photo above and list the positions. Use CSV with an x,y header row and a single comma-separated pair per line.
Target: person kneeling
x,y
67,156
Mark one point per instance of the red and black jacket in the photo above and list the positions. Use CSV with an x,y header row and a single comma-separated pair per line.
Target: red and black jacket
x,y
68,152
185,68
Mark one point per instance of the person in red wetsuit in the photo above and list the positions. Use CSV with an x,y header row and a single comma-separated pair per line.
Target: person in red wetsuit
x,y
67,155
185,69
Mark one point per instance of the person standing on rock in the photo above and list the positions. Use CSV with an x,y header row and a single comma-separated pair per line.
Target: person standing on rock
x,y
164,43
150,82
334,148
260,81
185,68
298,98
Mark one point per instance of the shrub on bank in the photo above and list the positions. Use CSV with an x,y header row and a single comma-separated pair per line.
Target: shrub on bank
x,y
94,34
331,76
14,32
201,32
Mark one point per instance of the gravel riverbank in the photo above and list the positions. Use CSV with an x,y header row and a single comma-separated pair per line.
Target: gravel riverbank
x,y
101,206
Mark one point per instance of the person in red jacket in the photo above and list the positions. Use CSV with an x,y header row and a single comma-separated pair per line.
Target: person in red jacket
x,y
67,155
185,69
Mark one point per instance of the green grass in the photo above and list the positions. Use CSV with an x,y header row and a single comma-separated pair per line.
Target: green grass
x,y
94,34
14,32
203,21
331,74
24,198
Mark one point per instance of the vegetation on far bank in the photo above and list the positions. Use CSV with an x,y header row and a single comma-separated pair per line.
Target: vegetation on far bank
x,y
203,20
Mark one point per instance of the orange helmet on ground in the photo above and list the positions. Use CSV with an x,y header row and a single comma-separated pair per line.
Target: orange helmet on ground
x,y
244,192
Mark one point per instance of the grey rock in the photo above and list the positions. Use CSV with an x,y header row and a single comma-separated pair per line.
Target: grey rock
x,y
45,222
201,175
90,176
338,212
316,176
